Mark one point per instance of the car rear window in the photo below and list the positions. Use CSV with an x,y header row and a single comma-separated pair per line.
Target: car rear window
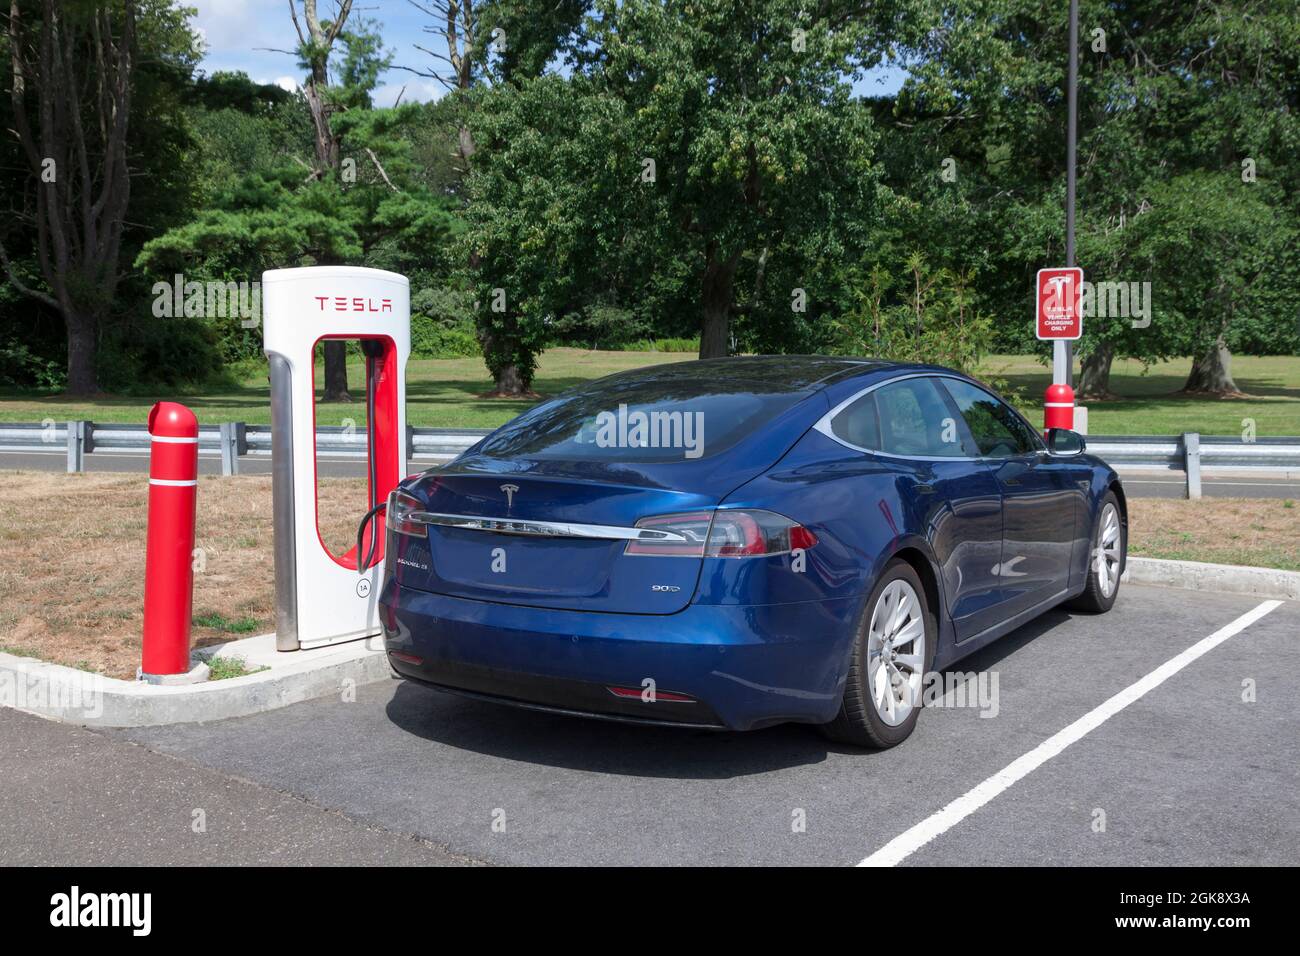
x,y
641,420
858,424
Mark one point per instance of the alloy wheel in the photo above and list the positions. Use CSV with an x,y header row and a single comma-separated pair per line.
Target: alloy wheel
x,y
1108,550
896,652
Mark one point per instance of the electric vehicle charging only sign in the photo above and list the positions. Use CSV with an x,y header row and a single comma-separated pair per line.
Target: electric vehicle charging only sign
x,y
1060,303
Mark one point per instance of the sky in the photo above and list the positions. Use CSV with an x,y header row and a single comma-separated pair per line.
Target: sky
x,y
239,35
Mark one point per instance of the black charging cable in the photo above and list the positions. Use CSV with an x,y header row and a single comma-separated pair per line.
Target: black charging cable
x,y
363,565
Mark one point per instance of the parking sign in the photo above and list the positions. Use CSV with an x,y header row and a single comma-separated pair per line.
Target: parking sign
x,y
1059,299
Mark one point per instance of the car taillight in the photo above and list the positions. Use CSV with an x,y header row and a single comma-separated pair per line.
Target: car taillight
x,y
723,534
684,535
753,534
398,514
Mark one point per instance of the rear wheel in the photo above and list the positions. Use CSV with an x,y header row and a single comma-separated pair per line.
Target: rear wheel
x,y
892,652
1106,559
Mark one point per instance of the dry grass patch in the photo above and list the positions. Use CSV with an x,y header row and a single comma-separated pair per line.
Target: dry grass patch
x,y
72,562
1263,532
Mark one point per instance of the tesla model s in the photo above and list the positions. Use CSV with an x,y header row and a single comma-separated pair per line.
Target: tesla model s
x,y
741,542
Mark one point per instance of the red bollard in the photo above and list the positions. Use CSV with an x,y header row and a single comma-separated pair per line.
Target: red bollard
x,y
1058,407
168,567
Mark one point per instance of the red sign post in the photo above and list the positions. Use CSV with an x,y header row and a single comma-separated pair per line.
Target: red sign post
x,y
1059,318
1059,310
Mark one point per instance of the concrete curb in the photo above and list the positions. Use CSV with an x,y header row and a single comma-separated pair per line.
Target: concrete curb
x,y
91,700
1226,578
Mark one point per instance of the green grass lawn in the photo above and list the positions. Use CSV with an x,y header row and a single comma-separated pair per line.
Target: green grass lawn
x,y
1149,403
448,393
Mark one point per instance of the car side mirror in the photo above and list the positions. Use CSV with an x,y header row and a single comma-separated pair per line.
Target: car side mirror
x,y
1063,442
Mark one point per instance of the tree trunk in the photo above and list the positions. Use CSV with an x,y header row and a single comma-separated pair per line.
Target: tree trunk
x,y
1212,373
719,282
1094,372
336,371
509,381
82,377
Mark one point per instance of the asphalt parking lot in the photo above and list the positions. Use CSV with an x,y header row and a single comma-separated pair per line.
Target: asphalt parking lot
x,y
1188,773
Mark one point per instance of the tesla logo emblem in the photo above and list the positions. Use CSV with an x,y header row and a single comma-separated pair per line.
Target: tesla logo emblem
x,y
510,494
354,303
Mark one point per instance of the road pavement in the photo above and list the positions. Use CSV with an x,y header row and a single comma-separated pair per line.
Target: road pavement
x,y
1202,768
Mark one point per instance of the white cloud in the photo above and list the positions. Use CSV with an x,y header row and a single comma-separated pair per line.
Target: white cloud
x,y
243,24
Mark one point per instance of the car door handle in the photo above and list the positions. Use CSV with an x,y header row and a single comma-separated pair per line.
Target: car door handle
x,y
1011,481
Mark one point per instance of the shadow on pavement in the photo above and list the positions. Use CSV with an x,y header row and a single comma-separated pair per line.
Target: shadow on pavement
x,y
601,746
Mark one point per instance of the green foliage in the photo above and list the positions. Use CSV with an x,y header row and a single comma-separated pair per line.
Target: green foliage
x,y
224,90
273,217
601,325
364,58
1173,100
662,345
21,367
780,210
935,322
442,323
694,168
138,357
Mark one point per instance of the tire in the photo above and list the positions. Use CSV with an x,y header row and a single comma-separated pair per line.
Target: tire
x,y
1107,557
879,720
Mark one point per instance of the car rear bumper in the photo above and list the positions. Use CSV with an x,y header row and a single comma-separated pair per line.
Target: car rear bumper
x,y
741,666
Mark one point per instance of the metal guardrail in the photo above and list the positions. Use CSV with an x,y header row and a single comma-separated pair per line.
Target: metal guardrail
x,y
1189,453
232,440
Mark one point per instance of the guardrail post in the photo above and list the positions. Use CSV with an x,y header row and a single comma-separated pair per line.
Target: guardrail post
x,y
410,446
78,439
1192,463
234,442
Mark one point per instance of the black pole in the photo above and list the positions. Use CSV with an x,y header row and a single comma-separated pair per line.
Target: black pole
x,y
1072,96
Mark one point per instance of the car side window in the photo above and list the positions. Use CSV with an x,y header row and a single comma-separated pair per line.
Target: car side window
x,y
858,425
915,421
998,431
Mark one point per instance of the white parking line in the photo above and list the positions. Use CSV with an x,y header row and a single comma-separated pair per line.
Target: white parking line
x,y
907,843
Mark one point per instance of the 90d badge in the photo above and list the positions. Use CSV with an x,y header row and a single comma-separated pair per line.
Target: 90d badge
x,y
664,587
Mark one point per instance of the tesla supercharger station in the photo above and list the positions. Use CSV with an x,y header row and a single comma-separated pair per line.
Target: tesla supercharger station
x,y
321,597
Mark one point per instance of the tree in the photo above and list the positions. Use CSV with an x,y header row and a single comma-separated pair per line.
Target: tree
x,y
1221,242
524,38
1164,91
72,66
314,49
693,153
747,118
274,218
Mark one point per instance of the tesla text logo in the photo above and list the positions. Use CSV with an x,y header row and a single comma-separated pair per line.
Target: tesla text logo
x,y
103,909
510,495
357,303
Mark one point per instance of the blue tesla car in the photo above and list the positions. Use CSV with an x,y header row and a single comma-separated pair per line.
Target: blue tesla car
x,y
740,542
